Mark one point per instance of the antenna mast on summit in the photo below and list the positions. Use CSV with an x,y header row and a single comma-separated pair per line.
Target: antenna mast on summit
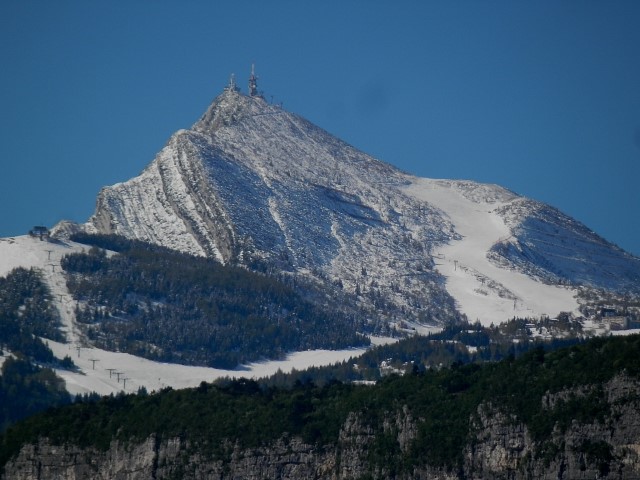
x,y
253,83
232,84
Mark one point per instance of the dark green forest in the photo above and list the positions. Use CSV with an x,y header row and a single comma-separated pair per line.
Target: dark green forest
x,y
27,313
444,400
168,306
26,389
27,385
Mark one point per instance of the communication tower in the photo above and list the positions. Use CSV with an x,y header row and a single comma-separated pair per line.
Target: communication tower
x,y
253,83
232,87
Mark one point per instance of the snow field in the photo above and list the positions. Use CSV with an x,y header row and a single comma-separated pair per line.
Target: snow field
x,y
111,372
482,290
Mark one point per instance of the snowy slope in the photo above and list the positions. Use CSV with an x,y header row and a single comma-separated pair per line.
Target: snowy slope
x,y
107,372
483,290
30,252
548,244
251,182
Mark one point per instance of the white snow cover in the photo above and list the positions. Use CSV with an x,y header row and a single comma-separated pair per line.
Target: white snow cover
x,y
484,291
140,372
153,209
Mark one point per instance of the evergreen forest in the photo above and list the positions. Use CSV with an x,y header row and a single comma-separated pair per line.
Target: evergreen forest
x,y
168,306
27,382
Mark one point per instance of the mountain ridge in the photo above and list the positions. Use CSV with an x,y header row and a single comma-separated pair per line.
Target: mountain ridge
x,y
252,184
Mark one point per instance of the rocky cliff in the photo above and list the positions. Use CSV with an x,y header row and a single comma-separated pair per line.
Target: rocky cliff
x,y
602,444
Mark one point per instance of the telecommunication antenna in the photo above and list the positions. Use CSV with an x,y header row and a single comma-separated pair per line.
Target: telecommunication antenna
x,y
253,82
232,87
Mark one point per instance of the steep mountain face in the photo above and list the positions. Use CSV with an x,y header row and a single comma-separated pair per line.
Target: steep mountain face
x,y
548,244
252,184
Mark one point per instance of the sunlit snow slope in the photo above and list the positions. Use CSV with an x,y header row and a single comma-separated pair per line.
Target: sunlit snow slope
x,y
252,183
483,290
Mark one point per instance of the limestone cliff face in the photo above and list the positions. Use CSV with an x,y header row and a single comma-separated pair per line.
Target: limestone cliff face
x,y
503,448
500,447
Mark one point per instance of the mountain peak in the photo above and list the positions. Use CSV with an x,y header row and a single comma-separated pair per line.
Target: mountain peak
x,y
232,106
255,185
227,108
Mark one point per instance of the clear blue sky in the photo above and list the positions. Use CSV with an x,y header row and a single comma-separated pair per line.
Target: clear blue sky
x,y
542,97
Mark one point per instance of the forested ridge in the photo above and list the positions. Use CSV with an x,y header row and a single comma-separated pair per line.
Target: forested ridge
x,y
244,413
169,306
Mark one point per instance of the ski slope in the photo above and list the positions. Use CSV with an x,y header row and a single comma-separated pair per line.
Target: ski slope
x,y
483,291
30,252
107,372
110,372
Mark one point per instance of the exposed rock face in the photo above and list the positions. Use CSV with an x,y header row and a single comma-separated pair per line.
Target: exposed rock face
x,y
500,447
608,448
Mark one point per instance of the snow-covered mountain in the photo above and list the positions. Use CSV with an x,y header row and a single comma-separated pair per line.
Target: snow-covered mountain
x,y
252,184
